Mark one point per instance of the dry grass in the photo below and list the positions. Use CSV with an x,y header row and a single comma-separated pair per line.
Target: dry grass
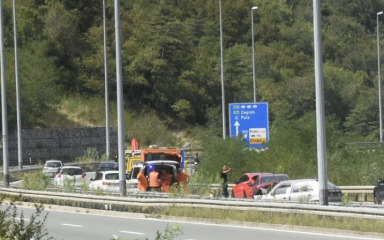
x,y
343,223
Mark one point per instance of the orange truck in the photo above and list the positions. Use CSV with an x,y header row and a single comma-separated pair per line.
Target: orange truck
x,y
172,154
159,159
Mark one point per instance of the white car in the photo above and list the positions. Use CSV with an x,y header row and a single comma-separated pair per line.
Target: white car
x,y
301,190
107,181
69,175
52,167
168,165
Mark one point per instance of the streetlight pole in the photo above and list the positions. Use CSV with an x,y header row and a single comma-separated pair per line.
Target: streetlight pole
x,y
320,113
120,103
222,73
4,115
107,153
253,57
379,77
19,135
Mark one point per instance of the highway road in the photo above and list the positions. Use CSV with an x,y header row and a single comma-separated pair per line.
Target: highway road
x,y
79,224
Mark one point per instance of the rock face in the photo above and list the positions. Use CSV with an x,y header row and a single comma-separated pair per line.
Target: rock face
x,y
59,143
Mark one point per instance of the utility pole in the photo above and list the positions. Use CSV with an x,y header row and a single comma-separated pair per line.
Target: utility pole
x,y
120,104
320,119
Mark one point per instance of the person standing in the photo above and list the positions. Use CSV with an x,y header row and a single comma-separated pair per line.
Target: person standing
x,y
142,182
224,175
181,177
154,181
166,181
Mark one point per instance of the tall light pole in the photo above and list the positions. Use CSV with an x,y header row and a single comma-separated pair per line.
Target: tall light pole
x,y
19,135
107,153
4,116
253,57
379,77
120,103
222,73
320,113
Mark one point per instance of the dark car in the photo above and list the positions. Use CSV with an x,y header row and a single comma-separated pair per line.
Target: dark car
x,y
250,184
378,192
107,166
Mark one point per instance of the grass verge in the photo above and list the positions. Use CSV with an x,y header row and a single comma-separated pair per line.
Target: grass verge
x,y
221,215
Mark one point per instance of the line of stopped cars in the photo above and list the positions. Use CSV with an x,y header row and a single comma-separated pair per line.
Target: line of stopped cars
x,y
278,187
262,186
106,176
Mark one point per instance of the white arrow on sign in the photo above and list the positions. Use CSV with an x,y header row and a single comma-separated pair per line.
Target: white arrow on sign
x,y
237,124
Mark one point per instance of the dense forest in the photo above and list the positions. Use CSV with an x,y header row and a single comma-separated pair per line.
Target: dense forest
x,y
171,67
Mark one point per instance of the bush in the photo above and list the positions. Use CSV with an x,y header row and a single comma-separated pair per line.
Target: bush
x,y
13,225
90,155
36,181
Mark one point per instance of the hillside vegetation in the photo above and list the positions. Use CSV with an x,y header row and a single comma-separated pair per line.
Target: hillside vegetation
x,y
171,76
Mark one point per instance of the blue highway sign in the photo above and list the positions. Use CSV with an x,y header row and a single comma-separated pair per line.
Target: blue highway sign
x,y
251,121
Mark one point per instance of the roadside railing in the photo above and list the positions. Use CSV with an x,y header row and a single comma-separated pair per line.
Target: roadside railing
x,y
356,193
139,203
359,193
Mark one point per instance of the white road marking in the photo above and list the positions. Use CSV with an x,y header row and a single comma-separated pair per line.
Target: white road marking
x,y
137,233
71,225
224,225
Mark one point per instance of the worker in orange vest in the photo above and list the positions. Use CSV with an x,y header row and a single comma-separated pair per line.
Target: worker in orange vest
x,y
142,182
154,181
181,177
166,181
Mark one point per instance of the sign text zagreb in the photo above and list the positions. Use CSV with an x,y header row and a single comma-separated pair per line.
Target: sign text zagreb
x,y
250,120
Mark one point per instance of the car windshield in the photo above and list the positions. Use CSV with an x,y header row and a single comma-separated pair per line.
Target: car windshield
x,y
331,185
111,165
72,171
135,171
273,179
99,176
53,164
112,176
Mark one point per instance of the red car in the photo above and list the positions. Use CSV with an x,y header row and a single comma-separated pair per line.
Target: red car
x,y
249,184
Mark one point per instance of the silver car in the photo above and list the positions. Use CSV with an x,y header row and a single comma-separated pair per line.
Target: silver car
x,y
301,190
52,167
71,175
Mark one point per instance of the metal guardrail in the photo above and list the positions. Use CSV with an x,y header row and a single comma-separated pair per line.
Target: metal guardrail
x,y
31,168
111,202
358,193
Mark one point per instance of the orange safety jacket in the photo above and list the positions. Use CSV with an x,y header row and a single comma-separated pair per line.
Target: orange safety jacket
x,y
142,182
154,179
166,181
182,178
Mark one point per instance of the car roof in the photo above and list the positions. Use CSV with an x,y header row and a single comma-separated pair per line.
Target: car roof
x,y
71,167
256,173
298,180
107,163
53,161
107,172
273,174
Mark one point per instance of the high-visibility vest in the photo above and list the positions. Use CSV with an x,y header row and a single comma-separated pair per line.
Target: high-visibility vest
x,y
182,178
142,182
154,179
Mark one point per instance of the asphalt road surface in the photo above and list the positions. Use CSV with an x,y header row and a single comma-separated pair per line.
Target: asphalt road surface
x,y
71,225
